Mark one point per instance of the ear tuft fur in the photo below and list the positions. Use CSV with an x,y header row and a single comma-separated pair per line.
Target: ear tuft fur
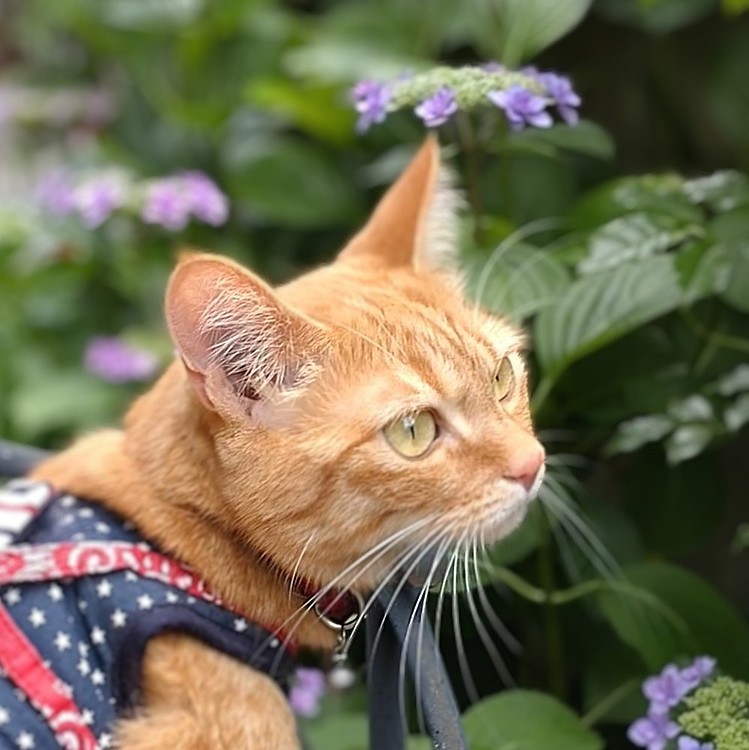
x,y
439,242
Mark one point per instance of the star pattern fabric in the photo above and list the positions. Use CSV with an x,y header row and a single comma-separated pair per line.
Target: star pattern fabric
x,y
83,627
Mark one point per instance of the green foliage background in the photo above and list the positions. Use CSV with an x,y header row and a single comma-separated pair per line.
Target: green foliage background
x,y
622,244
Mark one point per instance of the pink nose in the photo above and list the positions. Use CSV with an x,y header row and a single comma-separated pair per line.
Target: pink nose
x,y
524,466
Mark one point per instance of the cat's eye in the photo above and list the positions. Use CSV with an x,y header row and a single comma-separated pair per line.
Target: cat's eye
x,y
504,380
413,434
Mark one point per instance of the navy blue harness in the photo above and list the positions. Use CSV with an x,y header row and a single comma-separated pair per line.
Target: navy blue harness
x,y
92,630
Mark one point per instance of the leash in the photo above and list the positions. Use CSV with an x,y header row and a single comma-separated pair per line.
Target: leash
x,y
388,625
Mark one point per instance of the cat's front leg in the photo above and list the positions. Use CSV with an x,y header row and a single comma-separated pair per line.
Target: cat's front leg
x,y
196,698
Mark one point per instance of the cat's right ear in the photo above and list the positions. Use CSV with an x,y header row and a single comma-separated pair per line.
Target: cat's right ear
x,y
240,344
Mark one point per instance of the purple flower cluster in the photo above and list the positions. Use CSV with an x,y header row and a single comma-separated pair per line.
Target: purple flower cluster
x,y
371,99
308,688
169,202
524,97
112,359
664,692
93,200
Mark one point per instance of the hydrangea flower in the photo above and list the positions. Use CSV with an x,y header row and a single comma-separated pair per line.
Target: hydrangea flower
x,y
559,88
435,95
114,360
653,731
54,193
169,202
666,692
689,743
98,197
207,203
308,688
371,100
438,108
166,204
666,689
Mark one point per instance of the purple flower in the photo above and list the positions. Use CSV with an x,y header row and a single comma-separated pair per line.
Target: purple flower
x,y
308,688
666,689
689,743
112,359
653,731
438,108
522,107
55,193
166,205
170,201
371,99
698,671
565,98
207,203
97,198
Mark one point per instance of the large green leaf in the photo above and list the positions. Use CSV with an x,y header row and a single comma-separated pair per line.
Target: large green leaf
x,y
597,309
700,620
516,30
526,720
632,237
517,280
585,138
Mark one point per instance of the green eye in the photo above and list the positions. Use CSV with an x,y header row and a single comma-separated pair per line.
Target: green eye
x,y
504,380
413,434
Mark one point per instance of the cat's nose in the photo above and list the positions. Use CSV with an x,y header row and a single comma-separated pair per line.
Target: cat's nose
x,y
525,466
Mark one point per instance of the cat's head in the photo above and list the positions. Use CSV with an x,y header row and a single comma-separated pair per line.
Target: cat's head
x,y
364,401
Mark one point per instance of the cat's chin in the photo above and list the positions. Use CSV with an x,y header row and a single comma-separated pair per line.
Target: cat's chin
x,y
506,517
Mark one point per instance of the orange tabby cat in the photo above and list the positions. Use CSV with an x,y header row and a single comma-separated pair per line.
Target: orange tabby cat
x,y
298,429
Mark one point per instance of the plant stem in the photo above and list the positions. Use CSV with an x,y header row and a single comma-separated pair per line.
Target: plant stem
x,y
471,160
615,697
552,625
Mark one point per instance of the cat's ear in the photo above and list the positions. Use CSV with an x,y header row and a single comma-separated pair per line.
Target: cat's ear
x,y
415,223
239,342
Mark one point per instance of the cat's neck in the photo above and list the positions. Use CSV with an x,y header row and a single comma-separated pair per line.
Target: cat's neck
x,y
158,474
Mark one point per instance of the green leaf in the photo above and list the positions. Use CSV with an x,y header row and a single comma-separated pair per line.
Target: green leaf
x,y
523,28
338,731
733,382
634,433
651,194
599,308
736,292
735,7
688,441
526,720
287,181
737,414
316,110
635,236
517,280
705,623
584,138
703,269
67,400
721,191
685,492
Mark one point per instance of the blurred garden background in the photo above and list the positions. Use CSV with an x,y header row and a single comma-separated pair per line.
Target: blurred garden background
x,y
130,128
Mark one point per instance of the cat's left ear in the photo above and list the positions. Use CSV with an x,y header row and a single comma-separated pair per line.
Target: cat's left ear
x,y
415,223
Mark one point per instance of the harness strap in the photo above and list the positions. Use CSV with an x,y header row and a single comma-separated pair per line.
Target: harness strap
x,y
426,669
45,691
